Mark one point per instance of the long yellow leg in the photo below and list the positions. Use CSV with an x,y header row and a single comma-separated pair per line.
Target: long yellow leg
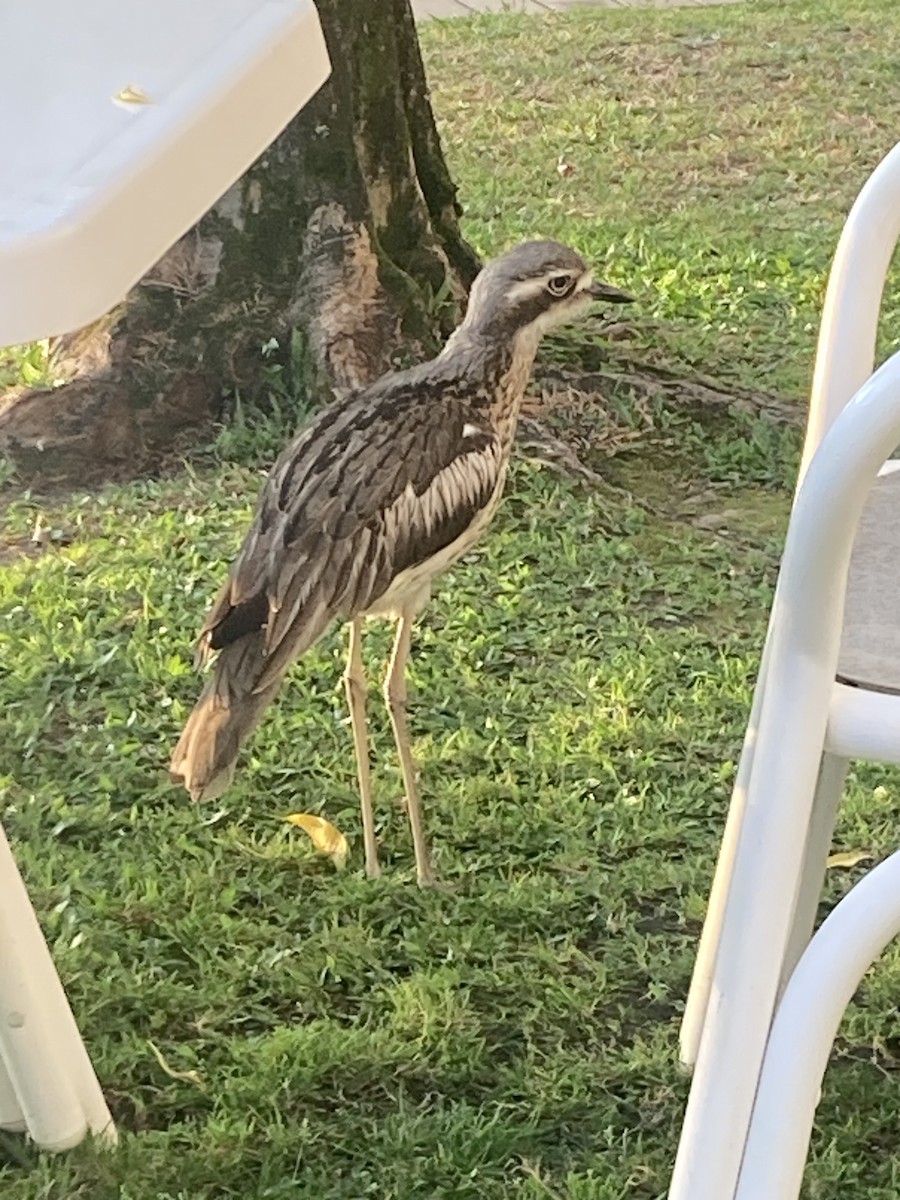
x,y
395,697
355,683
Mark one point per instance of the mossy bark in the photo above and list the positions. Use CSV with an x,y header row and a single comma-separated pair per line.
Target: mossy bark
x,y
345,229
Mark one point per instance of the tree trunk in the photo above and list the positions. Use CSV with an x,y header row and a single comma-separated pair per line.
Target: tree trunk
x,y
345,230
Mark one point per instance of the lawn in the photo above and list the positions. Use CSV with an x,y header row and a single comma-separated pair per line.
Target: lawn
x,y
580,686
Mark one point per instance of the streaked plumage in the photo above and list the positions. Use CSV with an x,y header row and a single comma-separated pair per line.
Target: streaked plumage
x,y
383,491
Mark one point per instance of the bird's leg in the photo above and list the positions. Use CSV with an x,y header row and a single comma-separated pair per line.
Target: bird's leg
x,y
395,696
355,683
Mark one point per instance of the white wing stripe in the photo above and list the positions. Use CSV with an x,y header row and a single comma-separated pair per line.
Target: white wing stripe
x,y
460,485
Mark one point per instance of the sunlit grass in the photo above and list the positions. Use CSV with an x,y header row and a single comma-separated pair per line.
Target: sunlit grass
x,y
580,686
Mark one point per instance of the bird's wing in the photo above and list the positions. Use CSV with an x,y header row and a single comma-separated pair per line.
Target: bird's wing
x,y
376,485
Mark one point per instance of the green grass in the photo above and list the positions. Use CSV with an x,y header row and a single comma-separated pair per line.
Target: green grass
x,y
580,687
573,726
27,366
715,153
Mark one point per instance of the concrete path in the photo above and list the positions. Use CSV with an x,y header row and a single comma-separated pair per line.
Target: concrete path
x,y
467,8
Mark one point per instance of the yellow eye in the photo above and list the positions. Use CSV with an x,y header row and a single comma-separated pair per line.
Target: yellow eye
x,y
558,285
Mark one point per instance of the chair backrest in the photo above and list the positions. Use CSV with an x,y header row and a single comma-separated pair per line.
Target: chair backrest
x,y
845,357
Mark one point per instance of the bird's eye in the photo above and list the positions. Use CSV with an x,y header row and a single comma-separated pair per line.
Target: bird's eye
x,y
558,285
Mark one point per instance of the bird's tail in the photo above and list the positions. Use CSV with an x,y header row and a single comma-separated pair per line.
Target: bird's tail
x,y
229,709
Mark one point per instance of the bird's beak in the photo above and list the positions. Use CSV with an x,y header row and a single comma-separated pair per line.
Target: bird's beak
x,y
604,291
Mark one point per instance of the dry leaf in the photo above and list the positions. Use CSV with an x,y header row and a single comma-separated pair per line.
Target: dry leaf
x,y
323,835
848,858
132,94
185,1076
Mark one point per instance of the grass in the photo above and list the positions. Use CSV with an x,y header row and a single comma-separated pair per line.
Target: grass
x,y
373,1040
580,689
715,152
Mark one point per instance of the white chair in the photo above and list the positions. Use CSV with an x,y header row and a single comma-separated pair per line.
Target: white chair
x,y
115,137
765,1001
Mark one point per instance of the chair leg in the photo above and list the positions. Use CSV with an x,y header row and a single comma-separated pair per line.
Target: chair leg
x,y
849,940
829,790
48,1082
756,922
704,965
11,1115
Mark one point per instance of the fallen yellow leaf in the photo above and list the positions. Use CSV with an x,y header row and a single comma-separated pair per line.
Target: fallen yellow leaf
x,y
186,1076
848,858
323,835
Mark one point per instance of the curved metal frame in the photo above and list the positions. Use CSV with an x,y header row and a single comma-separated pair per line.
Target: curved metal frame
x,y
850,939
802,729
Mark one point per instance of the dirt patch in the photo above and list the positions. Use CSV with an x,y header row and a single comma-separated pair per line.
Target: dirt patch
x,y
14,548
578,417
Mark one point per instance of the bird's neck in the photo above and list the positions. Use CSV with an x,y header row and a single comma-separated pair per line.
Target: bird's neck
x,y
500,367
480,352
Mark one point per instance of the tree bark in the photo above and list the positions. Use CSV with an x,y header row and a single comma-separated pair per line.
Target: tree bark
x,y
346,230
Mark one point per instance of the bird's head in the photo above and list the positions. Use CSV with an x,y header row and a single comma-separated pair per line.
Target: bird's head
x,y
533,288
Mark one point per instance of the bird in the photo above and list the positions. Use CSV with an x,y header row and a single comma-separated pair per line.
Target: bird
x,y
384,490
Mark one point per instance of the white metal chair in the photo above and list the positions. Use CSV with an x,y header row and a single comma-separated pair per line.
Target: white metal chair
x,y
765,1001
115,138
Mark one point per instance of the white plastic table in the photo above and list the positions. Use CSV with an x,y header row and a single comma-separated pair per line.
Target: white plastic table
x,y
94,189
120,125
